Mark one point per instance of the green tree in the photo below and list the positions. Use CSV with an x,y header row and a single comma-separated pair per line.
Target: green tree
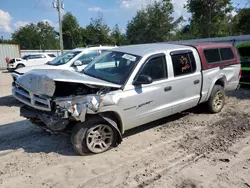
x,y
242,22
27,37
71,31
47,36
184,33
153,24
36,36
97,32
84,37
209,17
117,36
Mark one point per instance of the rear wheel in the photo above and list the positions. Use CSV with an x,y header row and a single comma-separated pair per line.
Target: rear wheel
x,y
93,136
216,100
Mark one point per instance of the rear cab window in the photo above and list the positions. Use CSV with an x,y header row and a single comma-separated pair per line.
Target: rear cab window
x,y
226,54
219,55
183,62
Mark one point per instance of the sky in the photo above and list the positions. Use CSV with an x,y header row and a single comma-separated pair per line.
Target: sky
x,y
17,13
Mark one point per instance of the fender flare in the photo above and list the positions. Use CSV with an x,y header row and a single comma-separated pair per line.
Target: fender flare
x,y
213,84
113,124
20,64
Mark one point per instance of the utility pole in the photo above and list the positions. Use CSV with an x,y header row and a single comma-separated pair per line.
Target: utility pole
x,y
57,5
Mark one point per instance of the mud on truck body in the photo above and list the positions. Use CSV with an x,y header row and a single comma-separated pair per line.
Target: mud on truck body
x,y
127,87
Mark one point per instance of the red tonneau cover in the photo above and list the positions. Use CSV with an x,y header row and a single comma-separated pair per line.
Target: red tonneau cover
x,y
200,47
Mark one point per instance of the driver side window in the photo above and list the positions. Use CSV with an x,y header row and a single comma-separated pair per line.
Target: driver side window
x,y
156,68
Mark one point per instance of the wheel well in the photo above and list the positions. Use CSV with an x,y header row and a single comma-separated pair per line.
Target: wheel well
x,y
220,82
115,117
20,64
111,115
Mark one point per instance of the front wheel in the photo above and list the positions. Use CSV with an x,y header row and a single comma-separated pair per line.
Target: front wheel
x,y
216,100
93,136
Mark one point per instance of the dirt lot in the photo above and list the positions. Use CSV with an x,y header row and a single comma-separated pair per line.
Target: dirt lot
x,y
187,150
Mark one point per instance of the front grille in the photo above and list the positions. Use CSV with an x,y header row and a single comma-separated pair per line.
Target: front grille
x,y
31,99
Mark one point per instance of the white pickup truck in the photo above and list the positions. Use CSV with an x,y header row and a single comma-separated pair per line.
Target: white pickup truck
x,y
127,87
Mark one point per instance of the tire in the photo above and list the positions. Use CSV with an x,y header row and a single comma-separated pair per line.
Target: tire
x,y
88,137
216,100
20,66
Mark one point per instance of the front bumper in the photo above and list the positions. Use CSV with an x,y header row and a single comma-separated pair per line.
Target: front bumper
x,y
10,67
52,121
10,70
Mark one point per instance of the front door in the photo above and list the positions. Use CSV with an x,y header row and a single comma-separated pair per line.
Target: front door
x,y
145,103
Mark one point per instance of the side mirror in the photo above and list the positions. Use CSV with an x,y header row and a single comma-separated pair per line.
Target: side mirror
x,y
143,79
77,63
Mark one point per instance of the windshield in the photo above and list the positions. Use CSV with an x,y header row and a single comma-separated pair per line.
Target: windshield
x,y
112,66
63,59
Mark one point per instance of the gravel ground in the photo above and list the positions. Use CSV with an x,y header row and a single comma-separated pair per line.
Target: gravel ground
x,y
188,150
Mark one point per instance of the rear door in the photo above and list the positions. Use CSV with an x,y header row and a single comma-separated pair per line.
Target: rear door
x,y
185,79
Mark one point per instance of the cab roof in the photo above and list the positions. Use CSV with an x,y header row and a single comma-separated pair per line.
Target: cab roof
x,y
94,48
147,49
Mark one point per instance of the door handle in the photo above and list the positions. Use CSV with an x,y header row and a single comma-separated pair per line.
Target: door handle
x,y
196,81
166,89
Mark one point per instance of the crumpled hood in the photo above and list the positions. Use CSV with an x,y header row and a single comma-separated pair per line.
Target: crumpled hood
x,y
27,69
42,81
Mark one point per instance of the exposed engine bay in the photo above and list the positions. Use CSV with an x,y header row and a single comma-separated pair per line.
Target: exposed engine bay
x,y
57,103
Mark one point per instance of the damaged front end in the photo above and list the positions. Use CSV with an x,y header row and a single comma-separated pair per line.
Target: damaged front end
x,y
65,110
77,107
56,103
